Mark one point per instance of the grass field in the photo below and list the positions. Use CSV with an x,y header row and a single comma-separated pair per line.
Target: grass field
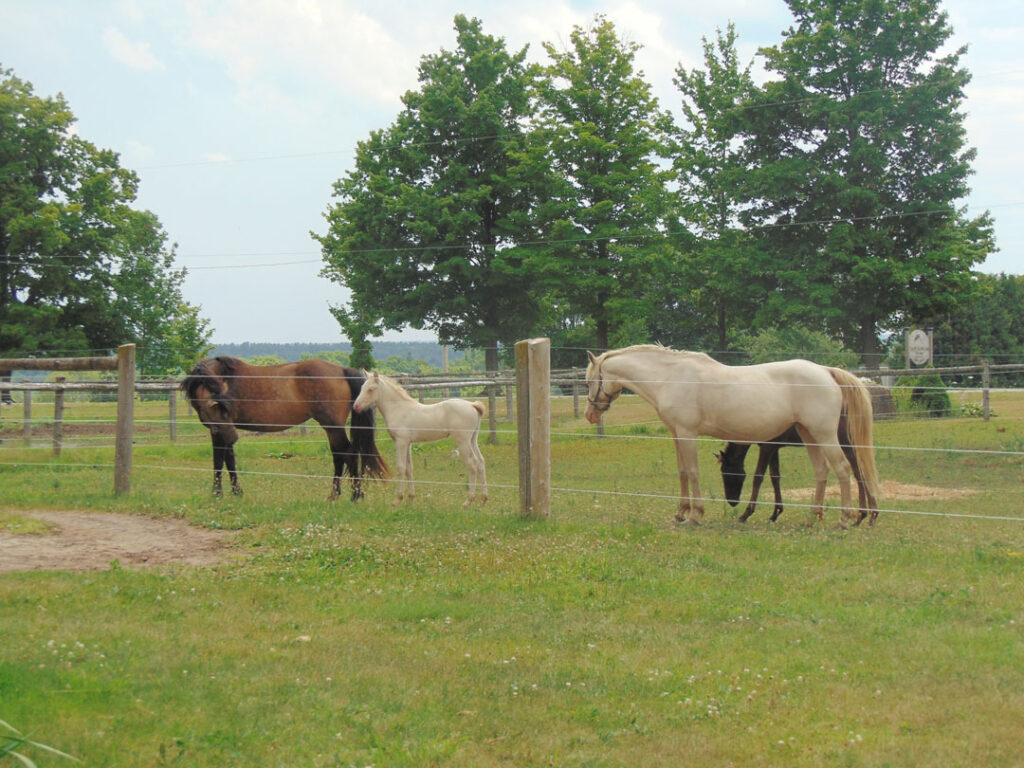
x,y
360,634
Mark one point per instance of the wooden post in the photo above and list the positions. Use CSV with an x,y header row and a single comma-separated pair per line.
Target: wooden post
x,y
27,428
575,399
510,408
986,384
58,416
533,394
125,418
172,413
492,418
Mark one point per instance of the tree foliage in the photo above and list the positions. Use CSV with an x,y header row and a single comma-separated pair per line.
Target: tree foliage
x,y
427,228
857,155
724,269
80,269
599,137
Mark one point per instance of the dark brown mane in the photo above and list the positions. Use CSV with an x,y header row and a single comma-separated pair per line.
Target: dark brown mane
x,y
206,374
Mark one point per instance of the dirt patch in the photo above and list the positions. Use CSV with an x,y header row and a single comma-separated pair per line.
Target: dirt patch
x,y
893,490
91,541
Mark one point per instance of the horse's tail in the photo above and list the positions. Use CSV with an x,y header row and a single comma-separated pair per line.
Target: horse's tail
x,y
479,407
860,420
364,432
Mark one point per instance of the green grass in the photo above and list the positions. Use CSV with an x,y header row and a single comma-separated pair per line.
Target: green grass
x,y
605,636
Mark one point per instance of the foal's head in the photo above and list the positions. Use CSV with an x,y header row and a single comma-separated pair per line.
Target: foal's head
x,y
733,472
369,394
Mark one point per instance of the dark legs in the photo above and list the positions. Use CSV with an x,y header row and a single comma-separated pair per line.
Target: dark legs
x,y
224,454
344,458
767,456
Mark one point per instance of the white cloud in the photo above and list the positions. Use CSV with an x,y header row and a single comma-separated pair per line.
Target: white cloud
x,y
292,54
135,55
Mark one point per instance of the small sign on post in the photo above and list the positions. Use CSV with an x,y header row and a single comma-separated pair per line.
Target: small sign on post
x,y
919,348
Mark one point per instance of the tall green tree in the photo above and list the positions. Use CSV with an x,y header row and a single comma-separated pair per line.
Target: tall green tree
x,y
724,266
857,154
428,223
80,269
602,138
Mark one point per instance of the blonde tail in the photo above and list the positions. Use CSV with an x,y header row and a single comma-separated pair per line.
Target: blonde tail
x,y
860,418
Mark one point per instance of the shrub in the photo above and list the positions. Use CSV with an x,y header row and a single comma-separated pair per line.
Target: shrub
x,y
923,394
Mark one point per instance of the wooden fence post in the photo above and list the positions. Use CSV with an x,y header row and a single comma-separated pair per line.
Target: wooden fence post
x,y
125,418
58,416
27,428
533,395
172,413
492,417
986,384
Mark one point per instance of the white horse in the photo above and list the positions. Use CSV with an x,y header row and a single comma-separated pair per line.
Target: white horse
x,y
409,421
695,395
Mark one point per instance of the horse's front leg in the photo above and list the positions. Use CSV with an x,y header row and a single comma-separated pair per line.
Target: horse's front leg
x,y
691,505
224,454
218,466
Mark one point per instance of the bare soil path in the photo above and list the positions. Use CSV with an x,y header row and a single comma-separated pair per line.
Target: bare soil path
x,y
89,541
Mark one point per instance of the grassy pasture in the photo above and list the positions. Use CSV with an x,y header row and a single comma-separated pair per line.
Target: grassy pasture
x,y
338,635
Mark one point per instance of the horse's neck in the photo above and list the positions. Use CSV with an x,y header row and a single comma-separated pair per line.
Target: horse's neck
x,y
647,371
391,400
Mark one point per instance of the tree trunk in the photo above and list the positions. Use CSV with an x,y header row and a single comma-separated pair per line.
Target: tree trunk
x,y
491,358
870,353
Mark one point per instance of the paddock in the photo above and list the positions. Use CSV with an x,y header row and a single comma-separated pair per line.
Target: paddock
x,y
604,634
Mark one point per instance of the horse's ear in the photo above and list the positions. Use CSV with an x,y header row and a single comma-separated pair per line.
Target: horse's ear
x,y
593,359
720,456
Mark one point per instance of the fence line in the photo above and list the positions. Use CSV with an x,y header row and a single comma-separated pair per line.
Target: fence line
x,y
570,378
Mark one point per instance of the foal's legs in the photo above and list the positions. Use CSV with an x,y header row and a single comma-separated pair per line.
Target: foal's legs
x,y
691,505
475,467
767,454
776,474
403,459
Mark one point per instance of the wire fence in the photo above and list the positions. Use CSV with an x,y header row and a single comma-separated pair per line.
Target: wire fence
x,y
566,384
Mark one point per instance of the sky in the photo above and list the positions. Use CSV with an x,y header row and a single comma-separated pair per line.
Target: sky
x,y
239,115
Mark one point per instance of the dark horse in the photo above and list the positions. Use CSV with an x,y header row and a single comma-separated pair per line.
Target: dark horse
x,y
229,394
734,474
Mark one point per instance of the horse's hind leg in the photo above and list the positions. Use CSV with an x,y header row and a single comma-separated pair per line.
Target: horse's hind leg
x,y
342,455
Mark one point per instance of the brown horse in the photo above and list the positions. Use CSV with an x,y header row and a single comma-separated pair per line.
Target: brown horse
x,y
229,394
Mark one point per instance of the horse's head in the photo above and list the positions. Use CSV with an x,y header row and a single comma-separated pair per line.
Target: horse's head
x,y
733,473
369,392
600,393
209,395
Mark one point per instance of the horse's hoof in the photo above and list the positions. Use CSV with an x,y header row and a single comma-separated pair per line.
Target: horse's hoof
x,y
236,491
